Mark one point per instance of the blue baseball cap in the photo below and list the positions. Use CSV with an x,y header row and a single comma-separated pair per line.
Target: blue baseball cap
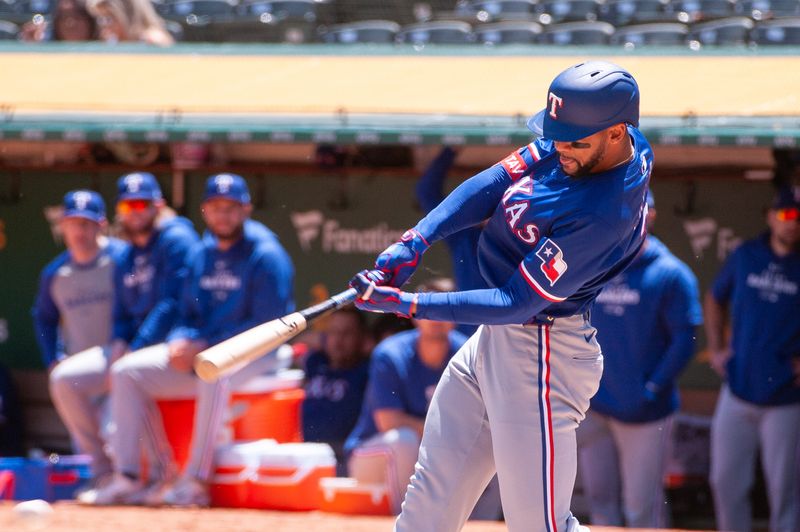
x,y
787,198
585,99
138,185
84,204
228,186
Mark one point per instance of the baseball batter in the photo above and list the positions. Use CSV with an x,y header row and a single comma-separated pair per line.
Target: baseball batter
x,y
565,215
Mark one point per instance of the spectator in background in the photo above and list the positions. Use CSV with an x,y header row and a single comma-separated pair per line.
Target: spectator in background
x,y
646,320
336,378
759,404
463,244
71,22
129,20
10,417
238,276
73,316
404,371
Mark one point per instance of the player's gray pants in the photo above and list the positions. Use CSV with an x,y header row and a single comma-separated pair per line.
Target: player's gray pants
x,y
79,388
141,377
737,431
622,468
509,401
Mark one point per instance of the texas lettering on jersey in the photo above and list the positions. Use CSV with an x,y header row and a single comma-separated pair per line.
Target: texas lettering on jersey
x,y
516,202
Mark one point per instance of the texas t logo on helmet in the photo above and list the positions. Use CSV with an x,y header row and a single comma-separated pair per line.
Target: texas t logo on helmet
x,y
555,104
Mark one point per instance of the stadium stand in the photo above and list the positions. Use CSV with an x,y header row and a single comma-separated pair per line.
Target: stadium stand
x,y
505,9
767,9
365,31
508,32
778,31
437,32
578,33
659,33
556,11
8,30
625,12
732,31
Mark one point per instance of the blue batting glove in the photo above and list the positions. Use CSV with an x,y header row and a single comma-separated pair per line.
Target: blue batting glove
x,y
400,260
376,298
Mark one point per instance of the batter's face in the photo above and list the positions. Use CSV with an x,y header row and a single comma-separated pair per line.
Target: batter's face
x,y
581,157
225,218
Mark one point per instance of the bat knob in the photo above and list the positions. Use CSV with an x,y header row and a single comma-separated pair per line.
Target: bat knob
x,y
206,370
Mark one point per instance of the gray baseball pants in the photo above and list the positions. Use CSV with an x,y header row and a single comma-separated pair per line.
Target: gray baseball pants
x,y
79,388
508,402
141,377
738,430
622,469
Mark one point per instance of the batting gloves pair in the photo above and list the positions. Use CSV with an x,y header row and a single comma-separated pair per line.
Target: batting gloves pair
x,y
382,298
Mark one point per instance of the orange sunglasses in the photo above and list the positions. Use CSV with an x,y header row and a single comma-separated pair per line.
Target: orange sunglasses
x,y
787,214
134,205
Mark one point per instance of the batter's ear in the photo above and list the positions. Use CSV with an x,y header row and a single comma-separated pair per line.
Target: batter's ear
x,y
617,133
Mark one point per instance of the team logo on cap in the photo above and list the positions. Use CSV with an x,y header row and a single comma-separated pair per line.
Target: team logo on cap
x,y
81,199
224,183
134,182
555,103
553,263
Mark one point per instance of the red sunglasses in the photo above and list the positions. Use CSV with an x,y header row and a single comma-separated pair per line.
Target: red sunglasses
x,y
784,215
134,205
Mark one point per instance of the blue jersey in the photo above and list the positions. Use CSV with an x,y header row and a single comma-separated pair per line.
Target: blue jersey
x,y
646,319
552,241
149,283
398,380
228,292
763,290
75,302
333,398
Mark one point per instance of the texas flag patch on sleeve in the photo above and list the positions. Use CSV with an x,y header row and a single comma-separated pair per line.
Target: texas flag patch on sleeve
x,y
553,264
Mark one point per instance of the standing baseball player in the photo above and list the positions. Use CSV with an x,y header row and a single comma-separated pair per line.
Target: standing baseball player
x,y
239,276
565,215
73,315
759,404
646,320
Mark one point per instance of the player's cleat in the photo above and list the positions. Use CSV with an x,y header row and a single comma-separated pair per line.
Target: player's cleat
x,y
118,490
186,492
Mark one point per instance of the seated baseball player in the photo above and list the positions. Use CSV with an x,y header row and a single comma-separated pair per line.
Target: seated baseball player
x,y
336,378
73,316
238,276
404,371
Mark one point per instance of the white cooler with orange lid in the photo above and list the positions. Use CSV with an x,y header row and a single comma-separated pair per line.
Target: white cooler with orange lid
x,y
288,476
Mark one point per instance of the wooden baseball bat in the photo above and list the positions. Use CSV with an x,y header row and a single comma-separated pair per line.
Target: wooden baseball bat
x,y
232,354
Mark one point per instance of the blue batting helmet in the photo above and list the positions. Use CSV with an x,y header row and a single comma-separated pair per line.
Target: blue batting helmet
x,y
585,99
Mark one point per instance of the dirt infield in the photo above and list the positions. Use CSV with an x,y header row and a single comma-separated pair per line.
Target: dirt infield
x,y
70,517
